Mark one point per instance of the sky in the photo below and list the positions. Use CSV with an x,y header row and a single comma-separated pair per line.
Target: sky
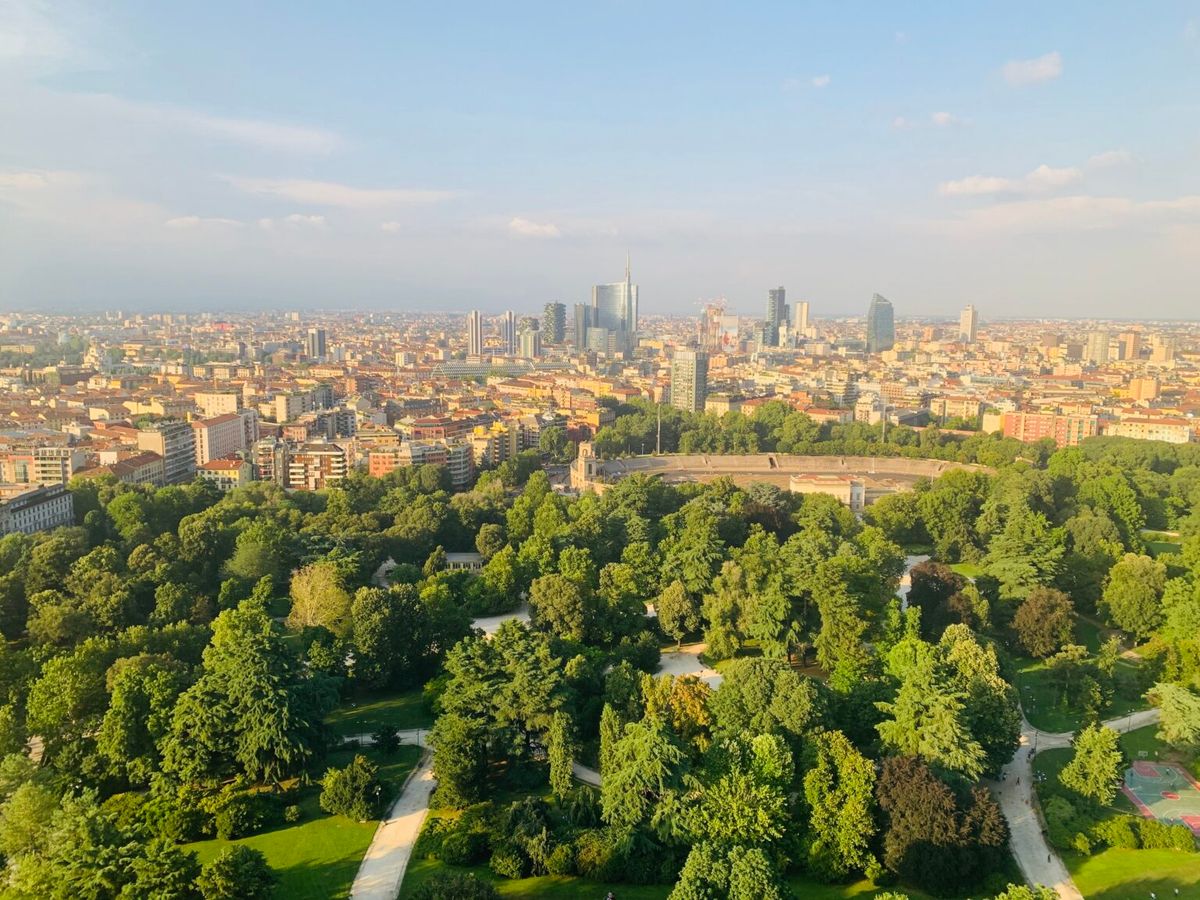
x,y
1030,158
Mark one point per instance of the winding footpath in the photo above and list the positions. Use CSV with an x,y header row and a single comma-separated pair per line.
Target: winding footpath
x,y
382,869
1037,860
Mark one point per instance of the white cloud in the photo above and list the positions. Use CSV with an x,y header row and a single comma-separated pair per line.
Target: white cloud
x,y
945,119
260,133
901,124
527,228
295,220
36,180
1191,31
1109,159
391,227
820,81
1046,178
1042,179
189,222
901,37
328,193
1020,72
28,36
1077,213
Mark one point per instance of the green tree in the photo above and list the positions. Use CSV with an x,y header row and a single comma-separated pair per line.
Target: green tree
x,y
238,873
1095,769
1133,594
163,871
459,758
840,792
354,791
1179,722
642,767
678,614
611,729
559,605
319,599
765,696
561,750
1026,554
490,540
927,720
1045,621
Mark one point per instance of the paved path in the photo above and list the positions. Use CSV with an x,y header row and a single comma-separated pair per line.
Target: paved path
x,y
1037,861
906,579
686,661
381,871
585,774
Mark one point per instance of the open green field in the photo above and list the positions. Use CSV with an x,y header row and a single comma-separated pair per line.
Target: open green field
x,y
369,712
1121,874
1040,700
967,570
318,857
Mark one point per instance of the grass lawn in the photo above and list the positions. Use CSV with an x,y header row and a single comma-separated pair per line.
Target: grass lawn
x,y
1040,699
318,857
1161,548
367,713
967,570
1114,874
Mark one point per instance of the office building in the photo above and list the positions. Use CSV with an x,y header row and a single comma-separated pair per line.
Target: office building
x,y
776,314
315,345
508,333
1163,348
175,442
689,380
881,325
554,323
583,321
968,321
615,309
802,319
475,333
1096,351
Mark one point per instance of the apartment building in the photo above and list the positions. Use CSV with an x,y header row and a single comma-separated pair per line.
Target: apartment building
x,y
175,442
315,466
218,437
39,509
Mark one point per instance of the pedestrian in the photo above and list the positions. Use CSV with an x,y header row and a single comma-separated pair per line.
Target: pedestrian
x,y
1047,857
1018,779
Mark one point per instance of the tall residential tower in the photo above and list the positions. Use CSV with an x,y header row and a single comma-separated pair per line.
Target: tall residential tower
x,y
475,333
689,380
881,325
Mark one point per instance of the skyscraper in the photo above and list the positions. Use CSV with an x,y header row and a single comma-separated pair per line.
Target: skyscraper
x,y
475,333
315,344
583,321
554,323
968,320
689,380
615,309
1097,348
802,318
881,325
776,314
508,333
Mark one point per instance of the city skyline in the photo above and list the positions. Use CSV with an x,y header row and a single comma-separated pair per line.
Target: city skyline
x,y
983,153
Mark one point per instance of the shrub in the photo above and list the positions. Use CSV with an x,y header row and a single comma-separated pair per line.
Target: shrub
x,y
562,860
127,809
1154,834
596,855
1182,838
238,873
1082,843
354,792
241,815
509,862
463,848
291,814
1118,831
455,886
429,841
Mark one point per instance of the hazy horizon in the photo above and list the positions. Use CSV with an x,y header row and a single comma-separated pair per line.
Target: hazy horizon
x,y
184,157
